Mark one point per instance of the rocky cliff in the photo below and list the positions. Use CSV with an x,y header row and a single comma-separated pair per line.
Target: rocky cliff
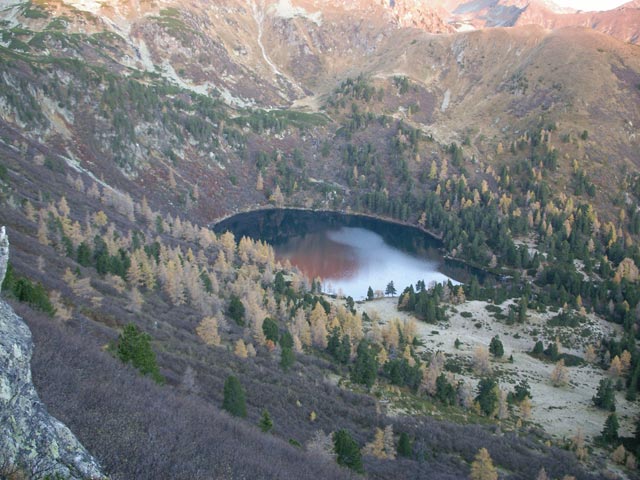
x,y
31,441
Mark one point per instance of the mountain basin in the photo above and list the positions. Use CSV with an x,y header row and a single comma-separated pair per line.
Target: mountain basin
x,y
349,253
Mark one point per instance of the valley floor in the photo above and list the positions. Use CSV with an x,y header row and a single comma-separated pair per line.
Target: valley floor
x,y
560,411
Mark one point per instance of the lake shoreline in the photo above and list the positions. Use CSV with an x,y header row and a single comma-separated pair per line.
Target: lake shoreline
x,y
483,270
349,252
395,221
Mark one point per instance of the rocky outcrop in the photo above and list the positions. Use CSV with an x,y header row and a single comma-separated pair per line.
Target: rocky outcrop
x,y
32,442
4,254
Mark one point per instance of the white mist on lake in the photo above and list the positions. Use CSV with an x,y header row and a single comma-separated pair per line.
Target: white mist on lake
x,y
350,260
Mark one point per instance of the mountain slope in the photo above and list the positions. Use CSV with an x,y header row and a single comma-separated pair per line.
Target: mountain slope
x,y
128,127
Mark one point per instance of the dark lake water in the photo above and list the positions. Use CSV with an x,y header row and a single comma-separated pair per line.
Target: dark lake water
x,y
348,252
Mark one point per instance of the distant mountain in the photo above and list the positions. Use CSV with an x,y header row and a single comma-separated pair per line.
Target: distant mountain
x,y
495,83
622,22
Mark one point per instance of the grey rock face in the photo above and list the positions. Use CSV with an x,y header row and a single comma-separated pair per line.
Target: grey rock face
x,y
31,440
4,254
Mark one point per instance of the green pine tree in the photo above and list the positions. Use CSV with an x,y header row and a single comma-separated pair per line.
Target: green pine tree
x,y
487,396
445,391
632,390
605,396
236,310
391,289
333,341
265,423
365,368
286,340
270,329
538,348
347,451
343,352
609,433
133,346
234,398
405,449
287,358
495,347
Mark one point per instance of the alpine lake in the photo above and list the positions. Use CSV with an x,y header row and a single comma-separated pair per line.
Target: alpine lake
x,y
349,253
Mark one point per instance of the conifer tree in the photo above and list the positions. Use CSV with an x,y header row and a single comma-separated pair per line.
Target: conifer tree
x,y
207,330
389,445
236,310
495,347
482,467
265,423
241,349
391,289
347,451
405,449
487,396
318,320
270,329
609,433
376,447
134,346
234,397
605,396
365,368
287,358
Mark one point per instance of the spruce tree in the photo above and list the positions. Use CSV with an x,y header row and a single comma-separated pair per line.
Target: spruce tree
x,y
333,342
495,347
343,352
610,431
270,329
286,340
365,368
632,390
605,396
538,348
405,448
234,398
522,310
265,423
370,294
391,289
133,346
487,396
287,358
445,391
236,310
347,451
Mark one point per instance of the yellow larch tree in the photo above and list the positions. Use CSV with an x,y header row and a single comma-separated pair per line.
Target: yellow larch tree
x,y
207,330
482,467
318,320
240,349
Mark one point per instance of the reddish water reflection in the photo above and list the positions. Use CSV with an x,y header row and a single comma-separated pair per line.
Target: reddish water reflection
x,y
350,254
316,255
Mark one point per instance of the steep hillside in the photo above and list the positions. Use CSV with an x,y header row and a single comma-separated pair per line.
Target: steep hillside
x,y
482,88
127,128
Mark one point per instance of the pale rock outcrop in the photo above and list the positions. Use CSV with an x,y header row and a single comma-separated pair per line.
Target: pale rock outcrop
x,y
32,442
